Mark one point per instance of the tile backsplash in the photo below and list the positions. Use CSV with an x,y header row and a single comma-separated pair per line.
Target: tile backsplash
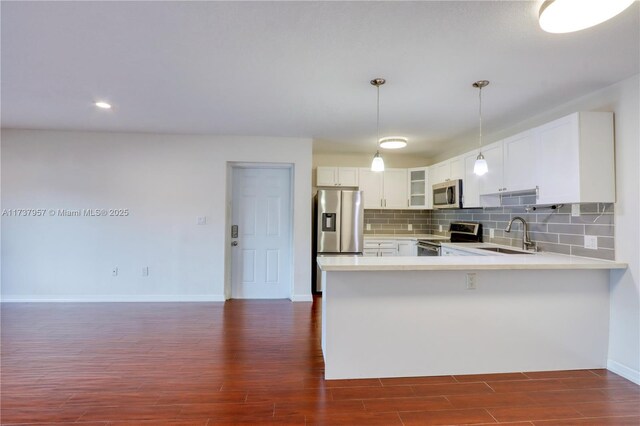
x,y
397,221
553,230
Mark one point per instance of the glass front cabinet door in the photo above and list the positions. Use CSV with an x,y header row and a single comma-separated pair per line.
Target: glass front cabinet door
x,y
419,190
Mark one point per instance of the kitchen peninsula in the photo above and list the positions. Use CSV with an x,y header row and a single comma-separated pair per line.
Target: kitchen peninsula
x,y
427,316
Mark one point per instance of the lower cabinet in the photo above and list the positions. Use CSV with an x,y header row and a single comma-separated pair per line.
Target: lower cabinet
x,y
387,247
380,248
407,248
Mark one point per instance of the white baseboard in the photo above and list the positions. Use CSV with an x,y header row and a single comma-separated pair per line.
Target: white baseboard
x,y
624,371
302,298
116,298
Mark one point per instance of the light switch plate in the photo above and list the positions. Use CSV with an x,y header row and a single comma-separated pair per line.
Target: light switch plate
x,y
202,220
591,242
492,233
368,227
439,228
409,227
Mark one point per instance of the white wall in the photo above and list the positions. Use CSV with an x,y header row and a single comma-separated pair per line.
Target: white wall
x,y
364,160
166,181
623,98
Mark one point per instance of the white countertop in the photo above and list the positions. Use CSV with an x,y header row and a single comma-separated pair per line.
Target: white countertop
x,y
404,237
453,263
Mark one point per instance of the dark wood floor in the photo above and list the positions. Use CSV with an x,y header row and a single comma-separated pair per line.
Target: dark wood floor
x,y
254,362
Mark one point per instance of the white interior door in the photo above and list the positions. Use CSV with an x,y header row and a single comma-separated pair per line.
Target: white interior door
x,y
261,254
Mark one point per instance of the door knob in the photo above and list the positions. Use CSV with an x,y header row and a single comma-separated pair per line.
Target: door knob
x,y
234,243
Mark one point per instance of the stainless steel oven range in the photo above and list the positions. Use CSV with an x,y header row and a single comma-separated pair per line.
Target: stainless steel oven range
x,y
460,232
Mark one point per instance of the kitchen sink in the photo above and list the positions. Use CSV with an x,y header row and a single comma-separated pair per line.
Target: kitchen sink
x,y
503,250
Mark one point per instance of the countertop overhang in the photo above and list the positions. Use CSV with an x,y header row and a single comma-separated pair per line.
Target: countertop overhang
x,y
457,263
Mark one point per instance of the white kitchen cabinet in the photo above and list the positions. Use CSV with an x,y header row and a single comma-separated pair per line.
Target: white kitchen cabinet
x,y
492,181
337,176
379,248
519,162
456,168
394,186
418,188
512,165
407,248
450,169
576,159
371,187
439,172
384,190
470,182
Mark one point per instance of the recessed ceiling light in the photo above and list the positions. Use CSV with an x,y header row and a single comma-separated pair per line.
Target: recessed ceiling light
x,y
565,16
102,105
393,142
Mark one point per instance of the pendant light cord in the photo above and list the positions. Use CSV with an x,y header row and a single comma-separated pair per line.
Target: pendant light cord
x,y
480,114
378,120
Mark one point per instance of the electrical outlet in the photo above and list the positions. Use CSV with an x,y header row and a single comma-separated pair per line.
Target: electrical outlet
x,y
472,280
409,227
114,271
575,209
202,220
145,271
368,227
440,228
591,242
492,233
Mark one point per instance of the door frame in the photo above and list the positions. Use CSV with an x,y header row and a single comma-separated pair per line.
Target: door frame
x,y
228,266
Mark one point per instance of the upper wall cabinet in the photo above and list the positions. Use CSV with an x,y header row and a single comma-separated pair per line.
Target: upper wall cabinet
x,y
419,188
439,172
576,159
337,176
569,160
519,162
512,165
384,190
492,182
470,182
446,170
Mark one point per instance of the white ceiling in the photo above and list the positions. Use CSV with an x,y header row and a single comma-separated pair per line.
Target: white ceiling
x,y
299,68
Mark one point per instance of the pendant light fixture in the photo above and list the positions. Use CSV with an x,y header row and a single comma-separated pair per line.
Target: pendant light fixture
x,y
480,167
393,142
566,16
377,165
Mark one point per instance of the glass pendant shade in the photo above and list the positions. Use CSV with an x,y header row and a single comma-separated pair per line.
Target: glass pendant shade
x,y
377,165
480,167
565,16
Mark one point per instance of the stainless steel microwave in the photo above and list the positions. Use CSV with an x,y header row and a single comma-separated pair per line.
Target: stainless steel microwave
x,y
448,195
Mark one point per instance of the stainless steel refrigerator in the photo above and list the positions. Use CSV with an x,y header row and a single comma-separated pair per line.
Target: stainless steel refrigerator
x,y
339,225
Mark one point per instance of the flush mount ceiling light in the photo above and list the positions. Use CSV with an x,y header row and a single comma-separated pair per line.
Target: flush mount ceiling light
x,y
565,16
480,167
377,165
393,142
103,105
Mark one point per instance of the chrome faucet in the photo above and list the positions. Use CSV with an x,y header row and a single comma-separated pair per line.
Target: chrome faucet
x,y
526,242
